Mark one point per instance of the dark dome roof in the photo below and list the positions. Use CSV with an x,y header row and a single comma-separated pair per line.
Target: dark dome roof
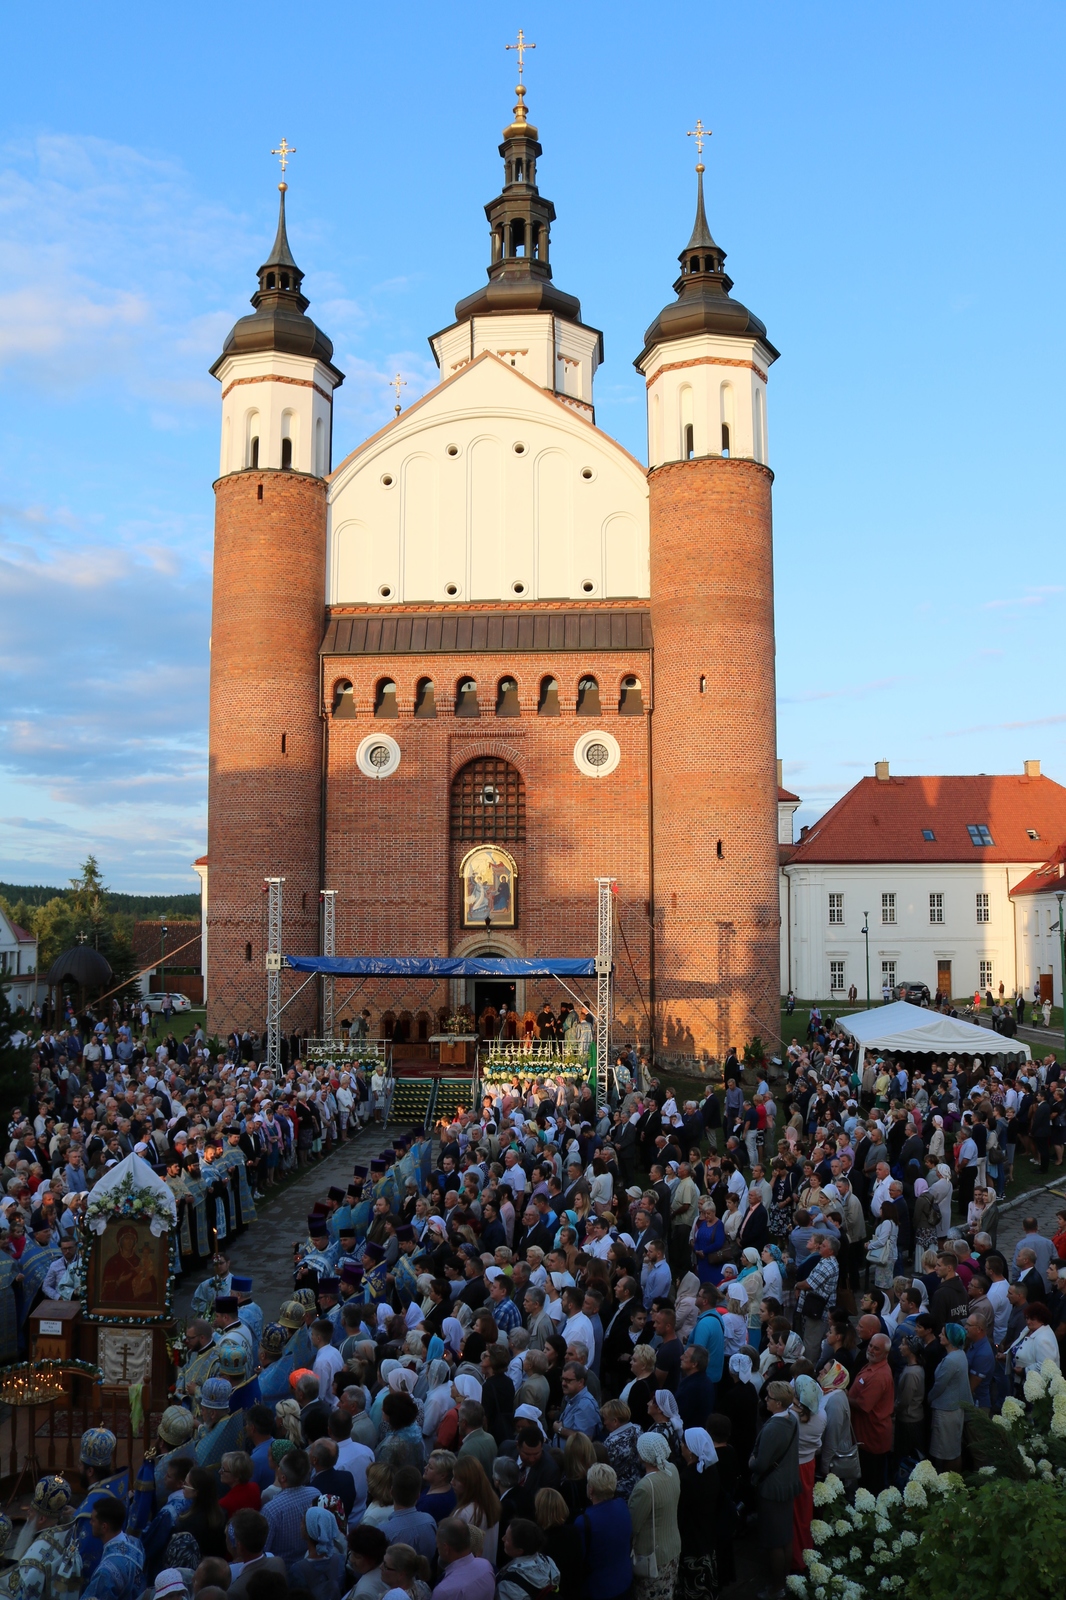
x,y
278,321
84,965
703,304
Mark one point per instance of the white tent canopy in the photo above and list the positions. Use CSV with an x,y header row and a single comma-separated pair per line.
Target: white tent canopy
x,y
901,1026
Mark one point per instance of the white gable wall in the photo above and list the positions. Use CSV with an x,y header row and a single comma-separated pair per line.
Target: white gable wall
x,y
466,516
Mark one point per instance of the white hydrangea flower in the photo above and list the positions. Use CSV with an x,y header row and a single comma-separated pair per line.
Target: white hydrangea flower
x,y
888,1498
1028,1461
1013,1410
1034,1385
854,1554
883,1525
915,1496
819,1593
819,1573
1048,1477
820,1531
842,1527
822,1497
836,1564
1001,1421
1056,1387
1058,1426
925,1472
908,1538
855,1516
1049,1369
1043,1465
883,1557
797,1585
864,1501
986,1472
1037,1442
879,1544
852,1591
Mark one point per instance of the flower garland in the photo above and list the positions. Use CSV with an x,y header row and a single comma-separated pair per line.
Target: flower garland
x,y
127,1200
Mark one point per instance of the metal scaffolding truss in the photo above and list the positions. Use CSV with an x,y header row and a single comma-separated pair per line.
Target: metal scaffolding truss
x,y
604,961
274,887
329,948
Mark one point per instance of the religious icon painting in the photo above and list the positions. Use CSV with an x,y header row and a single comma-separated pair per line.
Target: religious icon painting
x,y
128,1271
489,880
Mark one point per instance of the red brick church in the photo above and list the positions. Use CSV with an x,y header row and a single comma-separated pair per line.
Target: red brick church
x,y
489,656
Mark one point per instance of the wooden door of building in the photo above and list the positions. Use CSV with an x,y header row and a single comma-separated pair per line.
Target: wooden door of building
x,y
943,978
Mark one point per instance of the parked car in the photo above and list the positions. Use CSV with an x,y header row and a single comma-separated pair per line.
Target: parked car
x,y
917,993
178,1002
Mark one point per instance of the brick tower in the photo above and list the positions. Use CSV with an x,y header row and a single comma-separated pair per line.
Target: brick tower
x,y
713,747
266,746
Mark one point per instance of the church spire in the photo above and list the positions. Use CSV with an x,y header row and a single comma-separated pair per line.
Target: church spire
x,y
520,219
703,304
279,321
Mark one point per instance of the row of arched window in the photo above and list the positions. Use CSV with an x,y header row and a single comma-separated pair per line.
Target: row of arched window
x,y
501,700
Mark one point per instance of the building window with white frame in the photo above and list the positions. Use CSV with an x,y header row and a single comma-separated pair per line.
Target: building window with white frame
x,y
985,974
888,975
982,908
888,908
836,977
936,908
836,909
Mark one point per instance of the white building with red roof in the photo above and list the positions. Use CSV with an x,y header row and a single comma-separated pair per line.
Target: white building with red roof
x,y
18,963
1039,901
931,866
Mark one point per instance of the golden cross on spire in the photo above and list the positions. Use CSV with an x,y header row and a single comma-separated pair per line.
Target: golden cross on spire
x,y
699,133
522,46
284,150
398,383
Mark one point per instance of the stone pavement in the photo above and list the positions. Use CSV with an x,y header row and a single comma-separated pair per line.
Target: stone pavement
x,y
263,1252
1039,1203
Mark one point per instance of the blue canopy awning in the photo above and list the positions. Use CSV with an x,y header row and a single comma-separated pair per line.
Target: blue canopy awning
x,y
444,966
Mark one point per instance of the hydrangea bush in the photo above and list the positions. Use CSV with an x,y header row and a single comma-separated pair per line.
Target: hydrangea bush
x,y
998,1533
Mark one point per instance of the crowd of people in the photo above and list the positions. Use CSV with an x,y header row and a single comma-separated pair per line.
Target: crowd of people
x,y
558,1349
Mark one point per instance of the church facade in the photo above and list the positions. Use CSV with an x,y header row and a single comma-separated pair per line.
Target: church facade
x,y
490,657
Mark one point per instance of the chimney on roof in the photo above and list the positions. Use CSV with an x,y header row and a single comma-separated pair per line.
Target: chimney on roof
x,y
881,771
804,831
781,773
1032,769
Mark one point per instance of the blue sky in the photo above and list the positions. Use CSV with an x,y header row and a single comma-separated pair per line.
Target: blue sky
x,y
885,179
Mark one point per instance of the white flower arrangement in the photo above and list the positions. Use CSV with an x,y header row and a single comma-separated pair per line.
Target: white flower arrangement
x,y
827,1490
864,1501
842,1528
126,1200
888,1498
915,1497
1013,1410
820,1531
924,1473
908,1538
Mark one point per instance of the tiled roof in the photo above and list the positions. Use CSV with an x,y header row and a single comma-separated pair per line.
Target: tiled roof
x,y
886,820
786,794
407,633
23,935
1051,875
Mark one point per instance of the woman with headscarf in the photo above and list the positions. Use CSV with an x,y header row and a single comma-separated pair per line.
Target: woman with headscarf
x,y
686,1311
936,1139
438,1398
697,1518
925,1220
773,1283
752,1279
812,1421
949,1399
941,1191
321,1570
666,1420
774,1468
738,1400
838,1452
881,1251
653,1510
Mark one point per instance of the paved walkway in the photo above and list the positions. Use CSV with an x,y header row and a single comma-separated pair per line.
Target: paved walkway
x,y
263,1252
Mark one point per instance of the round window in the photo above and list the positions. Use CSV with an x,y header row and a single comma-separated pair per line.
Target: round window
x,y
378,756
385,591
451,589
597,753
519,448
588,586
519,588
452,450
387,480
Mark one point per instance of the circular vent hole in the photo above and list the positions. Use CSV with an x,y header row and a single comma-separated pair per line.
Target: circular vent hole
x,y
586,473
588,586
384,591
519,588
519,449
597,755
387,480
379,756
451,588
452,450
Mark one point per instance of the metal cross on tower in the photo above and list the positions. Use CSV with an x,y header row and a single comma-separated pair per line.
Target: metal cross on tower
x,y
329,948
397,383
604,961
283,152
699,133
273,971
522,46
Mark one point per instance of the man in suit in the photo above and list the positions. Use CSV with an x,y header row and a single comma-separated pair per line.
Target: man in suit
x,y
575,1184
327,1477
648,1228
755,1229
1029,1278
314,1413
537,1230
617,1345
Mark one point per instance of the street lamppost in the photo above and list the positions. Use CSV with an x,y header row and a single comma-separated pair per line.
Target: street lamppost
x,y
866,936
